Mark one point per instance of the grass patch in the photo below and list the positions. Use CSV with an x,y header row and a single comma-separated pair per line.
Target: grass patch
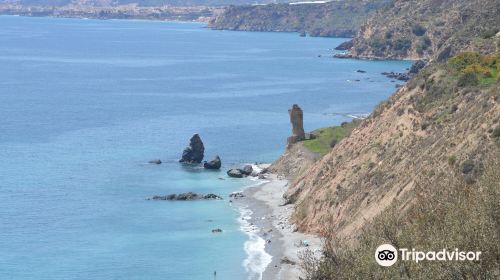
x,y
327,137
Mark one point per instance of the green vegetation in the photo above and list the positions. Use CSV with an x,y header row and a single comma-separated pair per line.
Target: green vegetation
x,y
496,132
328,137
434,222
381,44
418,30
424,44
473,68
452,160
463,70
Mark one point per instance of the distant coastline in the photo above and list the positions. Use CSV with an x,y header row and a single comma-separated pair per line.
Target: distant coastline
x,y
164,13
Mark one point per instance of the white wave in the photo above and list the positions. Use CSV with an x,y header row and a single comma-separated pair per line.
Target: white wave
x,y
257,258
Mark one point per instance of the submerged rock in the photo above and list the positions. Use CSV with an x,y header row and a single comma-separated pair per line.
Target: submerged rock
x,y
186,196
213,164
194,152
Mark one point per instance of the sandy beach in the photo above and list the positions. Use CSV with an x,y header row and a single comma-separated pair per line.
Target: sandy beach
x,y
271,217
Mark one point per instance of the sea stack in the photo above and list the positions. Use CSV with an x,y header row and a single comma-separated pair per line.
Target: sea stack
x,y
297,120
193,153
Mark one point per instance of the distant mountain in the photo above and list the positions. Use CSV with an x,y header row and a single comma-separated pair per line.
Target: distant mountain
x,y
141,2
335,18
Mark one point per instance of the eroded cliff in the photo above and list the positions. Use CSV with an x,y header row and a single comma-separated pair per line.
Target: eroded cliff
x,y
441,125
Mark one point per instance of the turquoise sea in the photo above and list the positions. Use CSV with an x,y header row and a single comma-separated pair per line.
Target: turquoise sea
x,y
84,104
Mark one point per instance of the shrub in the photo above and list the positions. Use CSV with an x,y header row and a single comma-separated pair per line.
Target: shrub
x,y
452,160
378,45
496,132
418,30
402,44
477,69
462,60
333,143
467,166
424,44
489,33
468,79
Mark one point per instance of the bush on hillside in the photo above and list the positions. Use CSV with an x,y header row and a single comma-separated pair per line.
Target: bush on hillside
x,y
468,79
418,30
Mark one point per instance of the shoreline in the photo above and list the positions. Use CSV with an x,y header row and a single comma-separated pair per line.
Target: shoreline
x,y
270,220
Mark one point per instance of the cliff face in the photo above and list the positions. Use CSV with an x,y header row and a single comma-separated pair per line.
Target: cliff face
x,y
429,29
439,126
336,18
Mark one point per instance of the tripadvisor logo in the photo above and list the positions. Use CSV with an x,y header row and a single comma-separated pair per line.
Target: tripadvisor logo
x,y
387,255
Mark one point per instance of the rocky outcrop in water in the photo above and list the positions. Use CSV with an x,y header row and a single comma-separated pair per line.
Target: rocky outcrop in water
x,y
297,120
214,164
247,170
398,76
235,173
236,195
186,196
193,153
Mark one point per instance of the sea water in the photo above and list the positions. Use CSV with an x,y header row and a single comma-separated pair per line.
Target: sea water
x,y
84,104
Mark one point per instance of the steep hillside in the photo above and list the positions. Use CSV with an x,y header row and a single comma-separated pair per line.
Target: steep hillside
x,y
444,124
336,18
429,29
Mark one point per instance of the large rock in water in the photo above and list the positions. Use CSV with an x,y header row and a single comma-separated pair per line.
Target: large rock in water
x,y
235,173
247,170
194,152
213,164
297,120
